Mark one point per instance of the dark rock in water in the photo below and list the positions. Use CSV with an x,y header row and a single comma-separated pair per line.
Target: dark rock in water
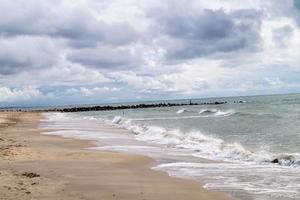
x,y
121,107
137,106
286,160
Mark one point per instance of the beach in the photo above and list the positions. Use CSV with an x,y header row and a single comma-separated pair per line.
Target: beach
x,y
150,100
36,166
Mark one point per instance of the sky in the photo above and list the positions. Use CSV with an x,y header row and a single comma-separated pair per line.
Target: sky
x,y
58,52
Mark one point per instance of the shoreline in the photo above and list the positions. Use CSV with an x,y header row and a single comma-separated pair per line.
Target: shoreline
x,y
63,168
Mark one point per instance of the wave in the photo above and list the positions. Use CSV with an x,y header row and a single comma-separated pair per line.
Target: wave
x,y
181,111
53,117
207,112
202,145
231,112
202,113
166,118
226,113
184,111
216,112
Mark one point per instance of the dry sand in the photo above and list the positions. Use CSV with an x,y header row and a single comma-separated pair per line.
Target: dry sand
x,y
35,166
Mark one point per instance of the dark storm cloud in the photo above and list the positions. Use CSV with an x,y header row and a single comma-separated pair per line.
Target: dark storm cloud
x,y
206,25
75,24
23,53
81,35
184,33
54,22
297,4
89,35
104,57
203,33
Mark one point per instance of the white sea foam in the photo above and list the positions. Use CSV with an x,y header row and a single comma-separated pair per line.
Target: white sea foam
x,y
54,117
184,110
208,112
216,112
205,111
181,111
225,113
253,178
203,145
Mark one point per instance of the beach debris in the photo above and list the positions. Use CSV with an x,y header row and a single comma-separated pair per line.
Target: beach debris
x,y
7,187
30,175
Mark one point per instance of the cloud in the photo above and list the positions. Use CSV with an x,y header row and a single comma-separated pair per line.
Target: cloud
x,y
56,76
204,32
273,82
74,22
297,4
184,82
142,83
19,94
147,48
91,91
104,57
282,35
20,53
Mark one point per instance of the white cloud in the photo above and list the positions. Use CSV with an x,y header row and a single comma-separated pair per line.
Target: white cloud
x,y
94,91
19,94
274,82
67,75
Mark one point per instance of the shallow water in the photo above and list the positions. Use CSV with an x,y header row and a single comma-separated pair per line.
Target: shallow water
x,y
241,138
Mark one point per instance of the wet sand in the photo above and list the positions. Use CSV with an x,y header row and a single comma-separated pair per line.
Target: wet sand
x,y
35,166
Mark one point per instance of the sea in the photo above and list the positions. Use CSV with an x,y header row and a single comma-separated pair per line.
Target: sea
x,y
249,147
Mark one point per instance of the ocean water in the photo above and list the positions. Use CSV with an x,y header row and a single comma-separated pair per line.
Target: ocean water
x,y
249,149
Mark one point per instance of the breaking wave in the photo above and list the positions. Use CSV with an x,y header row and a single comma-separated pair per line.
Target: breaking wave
x,y
181,111
216,112
203,145
207,112
185,111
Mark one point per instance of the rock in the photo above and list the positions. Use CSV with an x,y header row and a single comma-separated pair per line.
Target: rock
x,y
122,107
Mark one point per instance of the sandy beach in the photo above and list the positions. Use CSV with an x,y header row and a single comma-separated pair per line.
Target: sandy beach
x,y
35,166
